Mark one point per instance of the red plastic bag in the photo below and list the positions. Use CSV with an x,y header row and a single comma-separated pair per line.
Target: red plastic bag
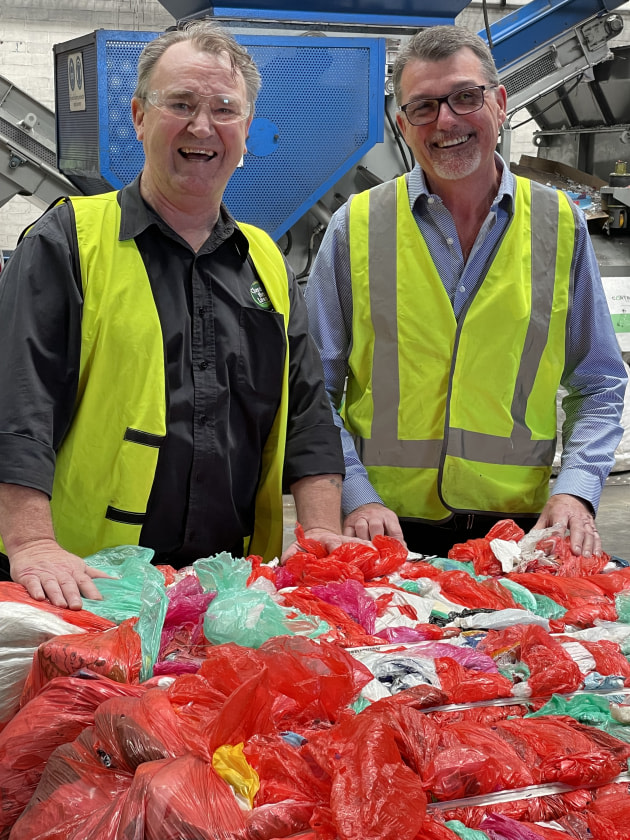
x,y
74,774
391,556
113,653
558,749
551,668
133,730
609,816
58,714
460,588
318,679
608,658
463,685
433,830
534,809
479,553
285,772
310,570
343,629
374,795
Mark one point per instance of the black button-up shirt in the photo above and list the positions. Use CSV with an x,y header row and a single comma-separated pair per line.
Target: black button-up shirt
x,y
224,349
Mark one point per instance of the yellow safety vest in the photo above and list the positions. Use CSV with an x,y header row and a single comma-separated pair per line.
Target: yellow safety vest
x,y
106,464
458,415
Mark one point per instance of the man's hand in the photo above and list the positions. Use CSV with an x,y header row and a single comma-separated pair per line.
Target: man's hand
x,y
369,520
47,571
330,540
575,516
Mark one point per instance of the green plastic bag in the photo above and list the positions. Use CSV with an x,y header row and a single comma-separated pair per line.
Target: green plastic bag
x,y
520,594
590,709
130,567
150,623
622,605
244,615
460,829
547,608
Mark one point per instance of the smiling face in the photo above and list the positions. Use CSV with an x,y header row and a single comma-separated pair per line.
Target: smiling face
x,y
189,162
453,147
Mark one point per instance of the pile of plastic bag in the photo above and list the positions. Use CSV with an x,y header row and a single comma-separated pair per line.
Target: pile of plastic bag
x,y
361,694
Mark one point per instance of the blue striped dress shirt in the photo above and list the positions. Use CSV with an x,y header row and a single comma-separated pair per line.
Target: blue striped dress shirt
x,y
594,375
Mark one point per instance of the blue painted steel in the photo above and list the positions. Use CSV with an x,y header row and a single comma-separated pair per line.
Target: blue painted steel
x,y
413,14
121,156
530,26
324,95
263,137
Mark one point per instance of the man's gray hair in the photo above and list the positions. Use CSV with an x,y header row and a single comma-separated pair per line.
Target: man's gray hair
x,y
437,43
208,37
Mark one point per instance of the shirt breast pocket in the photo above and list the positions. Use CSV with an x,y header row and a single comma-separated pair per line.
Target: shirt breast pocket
x,y
262,353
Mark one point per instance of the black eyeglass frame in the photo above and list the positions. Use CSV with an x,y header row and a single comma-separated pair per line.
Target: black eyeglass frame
x,y
440,99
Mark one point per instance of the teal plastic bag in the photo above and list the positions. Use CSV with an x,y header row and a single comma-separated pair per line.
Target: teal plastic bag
x,y
622,605
547,608
246,616
150,623
590,709
129,567
444,564
520,594
460,829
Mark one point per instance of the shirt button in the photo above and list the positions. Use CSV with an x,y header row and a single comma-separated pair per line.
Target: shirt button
x,y
203,365
203,419
201,311
462,288
449,240
430,200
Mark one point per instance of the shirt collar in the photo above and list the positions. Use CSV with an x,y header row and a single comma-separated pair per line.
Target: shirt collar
x,y
417,186
136,216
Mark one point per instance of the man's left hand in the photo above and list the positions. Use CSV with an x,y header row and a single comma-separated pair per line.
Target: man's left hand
x,y
576,517
328,539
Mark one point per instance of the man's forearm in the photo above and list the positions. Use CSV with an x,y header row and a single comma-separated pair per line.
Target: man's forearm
x,y
24,516
318,502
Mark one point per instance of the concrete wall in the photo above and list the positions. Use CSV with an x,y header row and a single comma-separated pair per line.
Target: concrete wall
x,y
29,28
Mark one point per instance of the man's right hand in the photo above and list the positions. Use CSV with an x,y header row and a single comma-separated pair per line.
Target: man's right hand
x,y
369,520
48,571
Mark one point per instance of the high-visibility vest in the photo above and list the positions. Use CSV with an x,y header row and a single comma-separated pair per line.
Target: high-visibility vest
x,y
458,415
106,464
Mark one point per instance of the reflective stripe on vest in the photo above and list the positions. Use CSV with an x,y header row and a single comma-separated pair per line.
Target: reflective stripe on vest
x,y
460,455
106,464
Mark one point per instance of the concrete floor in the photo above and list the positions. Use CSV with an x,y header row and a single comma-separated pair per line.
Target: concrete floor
x,y
613,517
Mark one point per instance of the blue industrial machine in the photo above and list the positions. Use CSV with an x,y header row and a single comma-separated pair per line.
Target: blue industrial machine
x,y
309,85
325,93
320,109
323,126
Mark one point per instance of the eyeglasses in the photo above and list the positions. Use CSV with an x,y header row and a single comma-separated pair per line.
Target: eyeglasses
x,y
466,101
185,105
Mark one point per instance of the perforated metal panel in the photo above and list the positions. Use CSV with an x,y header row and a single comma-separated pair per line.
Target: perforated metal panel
x,y
322,95
122,156
321,108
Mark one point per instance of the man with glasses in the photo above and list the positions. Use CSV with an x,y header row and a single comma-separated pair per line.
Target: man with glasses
x,y
158,384
455,300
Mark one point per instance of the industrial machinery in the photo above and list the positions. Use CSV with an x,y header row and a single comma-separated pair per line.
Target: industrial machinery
x,y
323,126
28,160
